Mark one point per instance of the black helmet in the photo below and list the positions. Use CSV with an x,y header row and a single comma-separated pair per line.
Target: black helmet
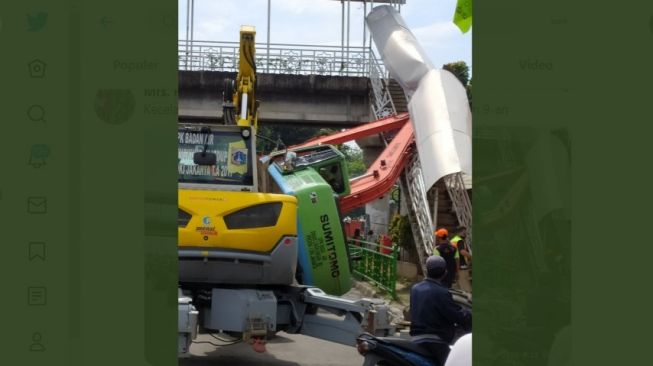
x,y
435,266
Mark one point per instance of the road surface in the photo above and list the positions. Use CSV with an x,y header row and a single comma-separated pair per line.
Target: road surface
x,y
283,350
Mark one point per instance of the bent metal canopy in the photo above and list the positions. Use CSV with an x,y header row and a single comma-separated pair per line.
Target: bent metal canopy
x,y
438,105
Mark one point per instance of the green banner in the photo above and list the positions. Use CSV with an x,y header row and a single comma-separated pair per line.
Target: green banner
x,y
462,18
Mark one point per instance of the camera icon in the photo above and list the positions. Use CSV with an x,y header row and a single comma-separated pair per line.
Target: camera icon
x,y
36,68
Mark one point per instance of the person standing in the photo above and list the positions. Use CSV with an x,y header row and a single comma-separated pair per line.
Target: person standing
x,y
449,253
357,237
434,316
464,260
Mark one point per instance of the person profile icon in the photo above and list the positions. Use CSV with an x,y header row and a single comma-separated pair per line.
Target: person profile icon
x,y
36,345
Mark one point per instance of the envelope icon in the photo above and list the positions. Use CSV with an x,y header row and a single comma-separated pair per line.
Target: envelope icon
x,y
37,205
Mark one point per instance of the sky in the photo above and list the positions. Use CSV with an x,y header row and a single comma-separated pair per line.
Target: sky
x,y
318,22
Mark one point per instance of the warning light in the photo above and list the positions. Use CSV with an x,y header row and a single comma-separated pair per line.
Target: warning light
x,y
287,241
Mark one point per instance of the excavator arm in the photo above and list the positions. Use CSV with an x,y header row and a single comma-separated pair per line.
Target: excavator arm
x,y
386,169
244,97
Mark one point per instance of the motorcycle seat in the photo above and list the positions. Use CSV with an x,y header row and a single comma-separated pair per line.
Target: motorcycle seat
x,y
405,344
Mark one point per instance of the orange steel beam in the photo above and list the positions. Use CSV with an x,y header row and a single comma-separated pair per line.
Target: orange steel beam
x,y
368,129
386,169
383,173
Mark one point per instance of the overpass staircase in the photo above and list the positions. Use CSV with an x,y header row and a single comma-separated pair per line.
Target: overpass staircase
x,y
398,96
448,197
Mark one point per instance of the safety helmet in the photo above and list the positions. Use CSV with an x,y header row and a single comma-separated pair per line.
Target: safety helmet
x,y
441,233
435,266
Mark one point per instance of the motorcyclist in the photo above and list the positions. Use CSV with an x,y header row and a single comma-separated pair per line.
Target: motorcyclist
x,y
434,314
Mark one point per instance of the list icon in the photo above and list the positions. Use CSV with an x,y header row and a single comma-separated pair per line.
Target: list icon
x,y
37,296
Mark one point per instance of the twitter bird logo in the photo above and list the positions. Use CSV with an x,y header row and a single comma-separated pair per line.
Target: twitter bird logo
x,y
36,21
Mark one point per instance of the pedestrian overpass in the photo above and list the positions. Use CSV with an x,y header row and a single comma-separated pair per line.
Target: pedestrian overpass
x,y
303,84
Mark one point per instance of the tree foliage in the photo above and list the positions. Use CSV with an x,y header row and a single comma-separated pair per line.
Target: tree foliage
x,y
468,88
354,158
461,71
271,135
400,231
278,136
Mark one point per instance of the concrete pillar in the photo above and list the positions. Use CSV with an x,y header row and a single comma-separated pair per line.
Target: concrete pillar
x,y
379,218
403,204
379,209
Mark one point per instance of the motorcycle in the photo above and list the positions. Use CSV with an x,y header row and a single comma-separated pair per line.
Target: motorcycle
x,y
394,351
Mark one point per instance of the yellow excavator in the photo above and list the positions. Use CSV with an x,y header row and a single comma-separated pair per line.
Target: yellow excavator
x,y
229,233
237,246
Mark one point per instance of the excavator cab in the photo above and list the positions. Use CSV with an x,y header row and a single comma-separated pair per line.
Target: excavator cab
x,y
317,176
216,157
228,232
326,160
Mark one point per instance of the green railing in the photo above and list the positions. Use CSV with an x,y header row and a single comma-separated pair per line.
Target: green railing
x,y
369,263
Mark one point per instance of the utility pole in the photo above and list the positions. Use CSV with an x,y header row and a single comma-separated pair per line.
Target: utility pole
x,y
267,67
364,36
371,8
192,24
348,24
342,35
187,29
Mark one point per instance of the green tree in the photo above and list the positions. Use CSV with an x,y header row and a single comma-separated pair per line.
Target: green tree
x,y
288,134
460,70
354,158
271,135
400,231
402,235
468,88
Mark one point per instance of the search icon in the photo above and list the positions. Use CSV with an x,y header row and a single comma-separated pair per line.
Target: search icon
x,y
36,113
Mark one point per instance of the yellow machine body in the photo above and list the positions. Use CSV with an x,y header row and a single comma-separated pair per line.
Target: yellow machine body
x,y
228,233
207,228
